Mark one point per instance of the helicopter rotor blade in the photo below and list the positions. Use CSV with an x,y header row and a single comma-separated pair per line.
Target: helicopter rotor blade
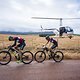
x,y
45,18
53,18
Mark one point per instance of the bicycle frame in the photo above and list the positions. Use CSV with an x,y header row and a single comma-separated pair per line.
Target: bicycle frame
x,y
15,51
26,57
40,55
46,50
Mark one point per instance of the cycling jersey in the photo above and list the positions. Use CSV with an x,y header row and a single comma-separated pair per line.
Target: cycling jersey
x,y
19,40
55,44
52,41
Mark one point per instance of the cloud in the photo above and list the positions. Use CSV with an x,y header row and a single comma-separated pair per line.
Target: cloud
x,y
18,13
16,5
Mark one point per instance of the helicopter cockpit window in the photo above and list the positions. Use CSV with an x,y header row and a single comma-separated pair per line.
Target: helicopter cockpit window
x,y
68,29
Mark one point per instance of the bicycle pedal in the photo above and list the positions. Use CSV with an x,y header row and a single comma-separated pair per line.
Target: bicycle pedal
x,y
19,61
50,57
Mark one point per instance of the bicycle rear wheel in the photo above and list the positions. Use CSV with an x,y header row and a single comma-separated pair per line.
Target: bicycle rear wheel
x,y
40,56
58,56
27,57
5,57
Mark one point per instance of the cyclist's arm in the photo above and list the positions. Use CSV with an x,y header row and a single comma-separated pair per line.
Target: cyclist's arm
x,y
50,44
14,43
47,43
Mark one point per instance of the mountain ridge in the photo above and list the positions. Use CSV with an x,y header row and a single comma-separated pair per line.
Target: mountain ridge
x,y
25,33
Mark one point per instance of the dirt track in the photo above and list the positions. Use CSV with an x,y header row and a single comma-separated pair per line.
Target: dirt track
x,y
48,70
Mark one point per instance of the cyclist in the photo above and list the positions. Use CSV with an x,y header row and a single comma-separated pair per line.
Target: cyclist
x,y
53,41
21,43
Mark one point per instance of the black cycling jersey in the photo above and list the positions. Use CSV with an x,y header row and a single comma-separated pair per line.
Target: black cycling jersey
x,y
53,41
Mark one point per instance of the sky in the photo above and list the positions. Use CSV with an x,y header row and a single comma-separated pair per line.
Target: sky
x,y
16,15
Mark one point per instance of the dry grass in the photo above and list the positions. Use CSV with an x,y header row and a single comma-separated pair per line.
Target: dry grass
x,y
70,47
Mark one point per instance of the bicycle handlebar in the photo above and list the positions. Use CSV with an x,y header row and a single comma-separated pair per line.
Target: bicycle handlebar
x,y
44,48
11,48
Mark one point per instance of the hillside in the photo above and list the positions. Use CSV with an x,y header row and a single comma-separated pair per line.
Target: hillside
x,y
25,33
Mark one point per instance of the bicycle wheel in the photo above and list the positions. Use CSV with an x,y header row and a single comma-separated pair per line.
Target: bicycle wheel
x,y
58,56
5,57
40,56
27,57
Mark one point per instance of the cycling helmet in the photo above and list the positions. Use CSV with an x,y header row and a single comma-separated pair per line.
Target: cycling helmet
x,y
10,38
47,37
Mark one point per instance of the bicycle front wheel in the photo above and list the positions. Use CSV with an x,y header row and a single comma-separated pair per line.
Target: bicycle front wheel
x,y
58,56
5,57
27,57
40,56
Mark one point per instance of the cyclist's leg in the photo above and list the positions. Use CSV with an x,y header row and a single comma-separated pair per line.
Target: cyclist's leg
x,y
17,46
22,45
54,46
19,54
52,49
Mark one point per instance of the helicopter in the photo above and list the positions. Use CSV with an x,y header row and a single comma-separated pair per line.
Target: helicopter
x,y
63,29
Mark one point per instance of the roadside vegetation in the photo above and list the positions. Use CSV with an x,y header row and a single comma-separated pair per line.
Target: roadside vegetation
x,y
70,47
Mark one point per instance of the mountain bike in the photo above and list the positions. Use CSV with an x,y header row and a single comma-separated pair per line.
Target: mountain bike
x,y
40,55
6,55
